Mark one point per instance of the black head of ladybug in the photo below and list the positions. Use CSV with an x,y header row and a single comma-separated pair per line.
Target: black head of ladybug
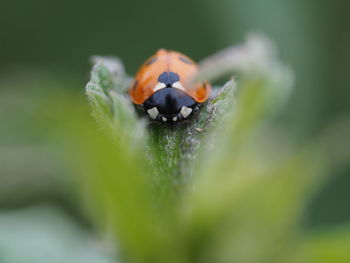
x,y
170,105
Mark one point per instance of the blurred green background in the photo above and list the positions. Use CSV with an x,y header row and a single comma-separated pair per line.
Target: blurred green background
x,y
46,45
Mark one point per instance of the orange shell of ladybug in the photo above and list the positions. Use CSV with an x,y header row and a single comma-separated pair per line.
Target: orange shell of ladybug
x,y
161,87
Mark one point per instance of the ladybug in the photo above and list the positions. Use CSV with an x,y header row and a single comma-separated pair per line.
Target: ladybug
x,y
161,87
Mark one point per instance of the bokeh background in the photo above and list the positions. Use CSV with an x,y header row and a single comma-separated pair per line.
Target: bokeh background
x,y
45,48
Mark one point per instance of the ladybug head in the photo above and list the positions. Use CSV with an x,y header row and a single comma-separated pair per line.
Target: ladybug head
x,y
170,105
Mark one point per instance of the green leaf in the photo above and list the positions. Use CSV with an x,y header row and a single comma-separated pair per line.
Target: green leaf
x,y
327,245
174,150
110,106
224,186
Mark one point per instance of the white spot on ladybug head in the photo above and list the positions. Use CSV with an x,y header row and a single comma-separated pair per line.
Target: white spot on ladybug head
x,y
178,85
164,119
159,86
185,111
175,118
153,113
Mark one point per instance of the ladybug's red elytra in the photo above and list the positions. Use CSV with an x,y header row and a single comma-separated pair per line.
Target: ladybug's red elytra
x,y
161,87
